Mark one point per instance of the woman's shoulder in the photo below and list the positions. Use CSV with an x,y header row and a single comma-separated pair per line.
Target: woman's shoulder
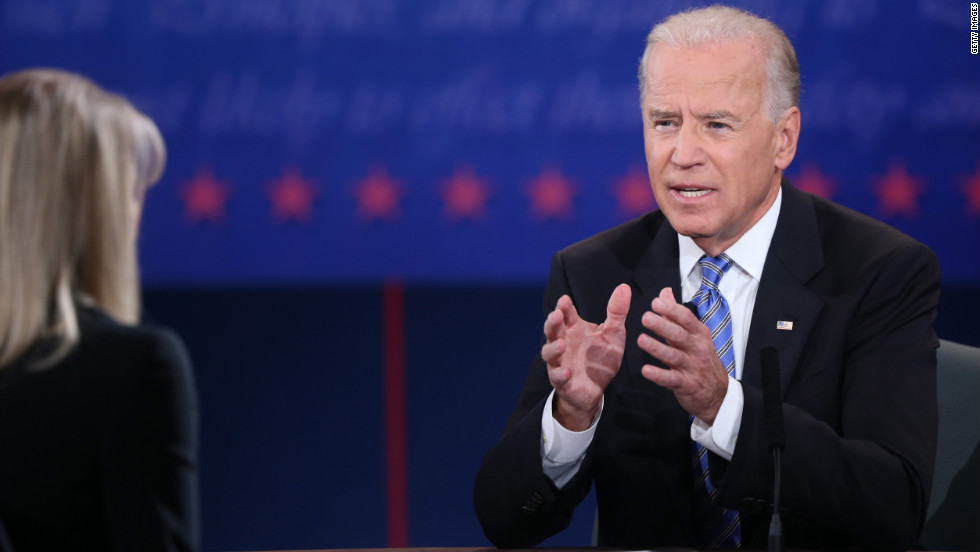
x,y
142,349
99,330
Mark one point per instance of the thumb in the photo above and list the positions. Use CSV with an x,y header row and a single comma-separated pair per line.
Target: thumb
x,y
619,306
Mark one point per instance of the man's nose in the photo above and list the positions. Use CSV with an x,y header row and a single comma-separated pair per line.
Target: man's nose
x,y
687,148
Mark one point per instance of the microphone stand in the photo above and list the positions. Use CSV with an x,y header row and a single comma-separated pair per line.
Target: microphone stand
x,y
773,414
776,543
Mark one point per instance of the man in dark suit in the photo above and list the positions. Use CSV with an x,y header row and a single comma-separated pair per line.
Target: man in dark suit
x,y
662,410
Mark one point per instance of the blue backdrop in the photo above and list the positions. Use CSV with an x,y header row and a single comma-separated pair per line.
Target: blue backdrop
x,y
320,148
448,140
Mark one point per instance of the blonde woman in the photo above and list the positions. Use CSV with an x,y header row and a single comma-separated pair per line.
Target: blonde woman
x,y
97,413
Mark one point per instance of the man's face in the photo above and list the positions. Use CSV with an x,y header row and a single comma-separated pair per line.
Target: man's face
x,y
713,156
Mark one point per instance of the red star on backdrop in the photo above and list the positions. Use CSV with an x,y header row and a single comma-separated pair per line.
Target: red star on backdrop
x,y
292,197
971,189
378,196
898,192
551,195
204,197
465,195
811,180
633,193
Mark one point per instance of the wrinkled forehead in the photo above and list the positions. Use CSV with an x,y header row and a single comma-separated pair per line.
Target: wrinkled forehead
x,y
732,72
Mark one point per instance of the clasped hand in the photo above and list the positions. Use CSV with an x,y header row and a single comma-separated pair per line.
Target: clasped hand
x,y
582,357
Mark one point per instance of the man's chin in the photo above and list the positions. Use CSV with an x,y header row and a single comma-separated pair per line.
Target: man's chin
x,y
693,232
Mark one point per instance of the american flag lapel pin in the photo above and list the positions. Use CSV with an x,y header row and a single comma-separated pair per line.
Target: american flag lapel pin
x,y
786,325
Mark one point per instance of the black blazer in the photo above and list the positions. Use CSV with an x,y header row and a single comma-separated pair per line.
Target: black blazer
x,y
99,451
858,380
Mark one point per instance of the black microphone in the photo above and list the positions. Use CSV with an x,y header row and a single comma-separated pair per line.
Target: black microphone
x,y
772,412
772,398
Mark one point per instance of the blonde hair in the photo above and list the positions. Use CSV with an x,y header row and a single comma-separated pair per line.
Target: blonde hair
x,y
75,161
722,24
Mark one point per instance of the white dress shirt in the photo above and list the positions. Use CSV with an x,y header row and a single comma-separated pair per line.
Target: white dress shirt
x,y
562,451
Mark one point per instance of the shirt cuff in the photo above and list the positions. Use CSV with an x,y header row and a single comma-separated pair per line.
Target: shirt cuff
x,y
563,450
721,437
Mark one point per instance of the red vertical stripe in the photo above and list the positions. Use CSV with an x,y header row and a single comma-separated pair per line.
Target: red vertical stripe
x,y
394,385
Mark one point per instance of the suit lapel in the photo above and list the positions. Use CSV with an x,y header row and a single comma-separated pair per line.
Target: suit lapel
x,y
785,310
656,269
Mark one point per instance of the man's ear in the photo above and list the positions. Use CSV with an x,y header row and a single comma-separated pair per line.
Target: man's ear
x,y
787,136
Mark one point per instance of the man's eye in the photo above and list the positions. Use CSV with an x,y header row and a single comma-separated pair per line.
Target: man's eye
x,y
663,124
715,125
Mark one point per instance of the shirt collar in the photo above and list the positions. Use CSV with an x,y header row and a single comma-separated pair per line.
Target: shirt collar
x,y
748,253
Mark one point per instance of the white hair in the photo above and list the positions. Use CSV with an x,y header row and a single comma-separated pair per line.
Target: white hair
x,y
720,25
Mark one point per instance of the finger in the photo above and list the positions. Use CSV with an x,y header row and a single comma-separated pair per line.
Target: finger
x,y
619,306
568,310
664,353
554,325
667,307
559,377
669,379
552,351
664,327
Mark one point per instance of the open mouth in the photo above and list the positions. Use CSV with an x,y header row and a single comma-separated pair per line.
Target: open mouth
x,y
692,192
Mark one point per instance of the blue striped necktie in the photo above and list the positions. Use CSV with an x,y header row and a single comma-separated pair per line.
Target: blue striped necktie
x,y
719,527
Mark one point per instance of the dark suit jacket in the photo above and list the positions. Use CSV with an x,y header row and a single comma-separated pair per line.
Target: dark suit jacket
x,y
99,450
858,381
